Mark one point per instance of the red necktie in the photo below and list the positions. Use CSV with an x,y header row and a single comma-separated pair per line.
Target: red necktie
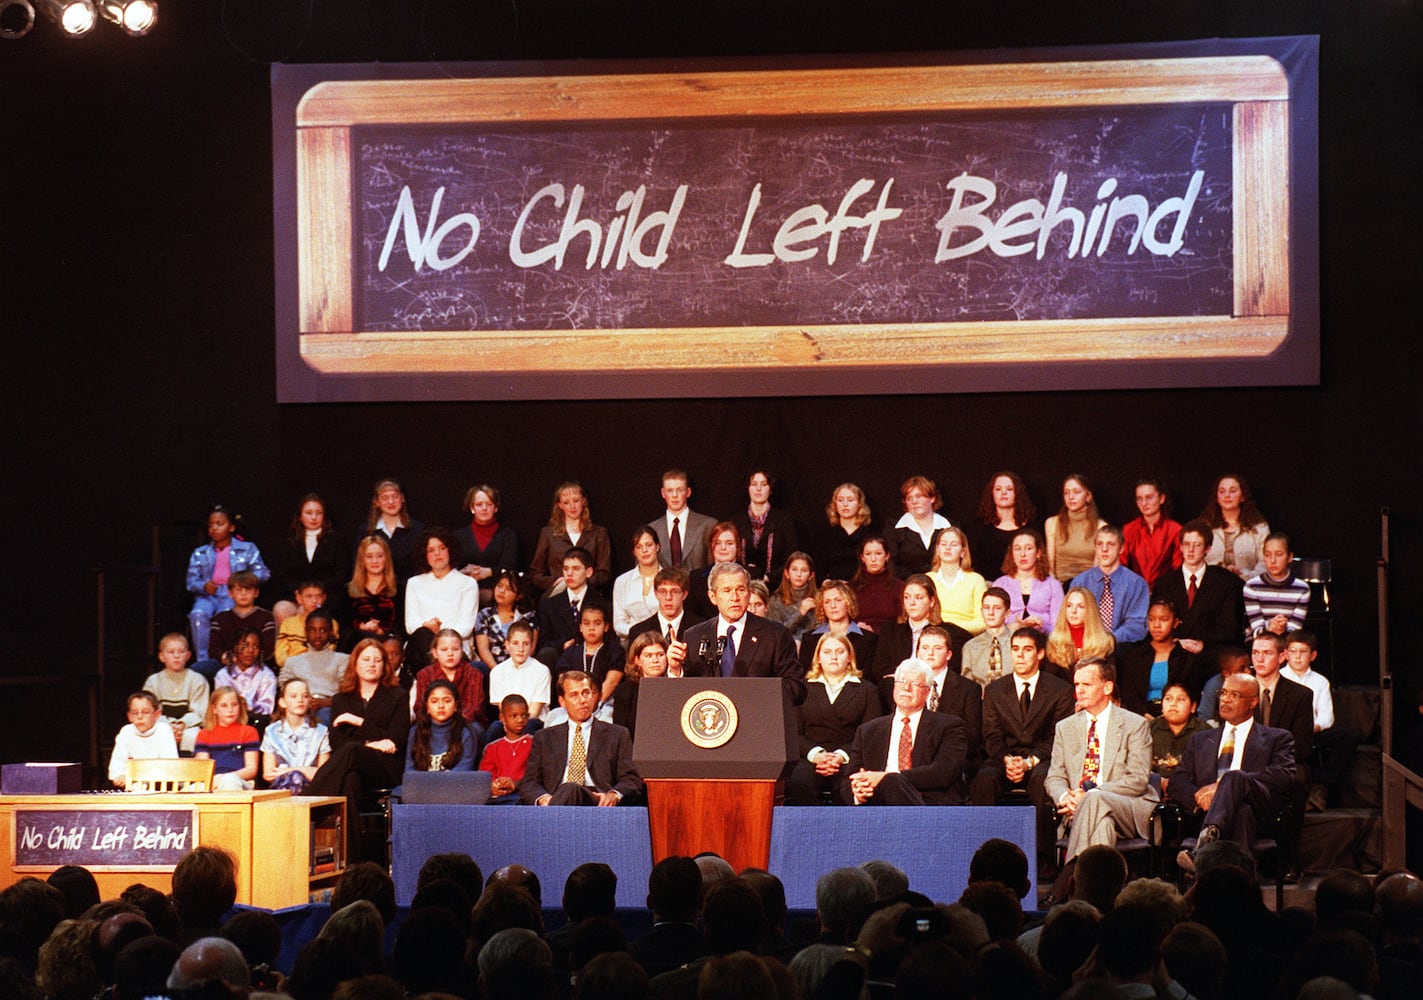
x,y
676,542
906,747
1191,591
1107,605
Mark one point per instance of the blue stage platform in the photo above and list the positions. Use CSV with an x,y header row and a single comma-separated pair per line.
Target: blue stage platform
x,y
932,844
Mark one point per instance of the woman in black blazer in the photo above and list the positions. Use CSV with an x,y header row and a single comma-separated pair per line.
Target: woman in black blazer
x,y
311,553
1136,664
488,547
370,723
767,533
837,702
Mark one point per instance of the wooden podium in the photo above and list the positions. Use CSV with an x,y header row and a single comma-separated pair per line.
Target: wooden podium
x,y
707,791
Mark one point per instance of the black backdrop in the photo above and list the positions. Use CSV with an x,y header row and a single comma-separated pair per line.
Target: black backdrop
x,y
135,250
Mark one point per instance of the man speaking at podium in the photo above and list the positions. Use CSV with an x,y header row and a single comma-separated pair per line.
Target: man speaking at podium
x,y
735,644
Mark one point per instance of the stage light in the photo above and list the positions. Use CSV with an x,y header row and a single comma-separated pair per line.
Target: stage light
x,y
75,17
17,17
136,17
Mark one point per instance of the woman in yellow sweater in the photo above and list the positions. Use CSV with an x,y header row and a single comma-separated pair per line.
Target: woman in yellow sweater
x,y
960,589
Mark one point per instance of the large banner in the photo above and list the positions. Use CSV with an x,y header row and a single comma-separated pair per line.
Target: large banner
x,y
1086,219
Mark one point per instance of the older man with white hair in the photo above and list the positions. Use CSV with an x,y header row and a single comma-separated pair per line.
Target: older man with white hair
x,y
911,757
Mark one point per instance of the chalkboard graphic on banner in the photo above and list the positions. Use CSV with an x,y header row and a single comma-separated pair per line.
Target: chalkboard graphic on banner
x,y
862,219
1118,214
103,839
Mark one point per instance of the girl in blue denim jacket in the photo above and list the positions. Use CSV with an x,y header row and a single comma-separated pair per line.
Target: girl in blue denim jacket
x,y
209,569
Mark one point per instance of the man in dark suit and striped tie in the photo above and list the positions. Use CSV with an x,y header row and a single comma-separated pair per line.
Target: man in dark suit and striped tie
x,y
1239,775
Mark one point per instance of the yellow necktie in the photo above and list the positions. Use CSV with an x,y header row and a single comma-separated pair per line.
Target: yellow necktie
x,y
578,758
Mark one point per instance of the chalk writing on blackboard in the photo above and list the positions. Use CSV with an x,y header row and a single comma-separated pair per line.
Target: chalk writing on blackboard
x,y
1085,214
140,839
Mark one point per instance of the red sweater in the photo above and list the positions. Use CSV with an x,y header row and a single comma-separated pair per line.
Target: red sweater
x,y
505,758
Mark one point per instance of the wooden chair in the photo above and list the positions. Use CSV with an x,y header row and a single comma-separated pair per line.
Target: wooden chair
x,y
185,774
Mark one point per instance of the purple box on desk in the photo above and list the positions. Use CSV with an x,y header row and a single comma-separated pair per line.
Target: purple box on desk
x,y
41,779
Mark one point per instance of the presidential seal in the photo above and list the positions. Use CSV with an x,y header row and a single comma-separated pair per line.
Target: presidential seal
x,y
708,719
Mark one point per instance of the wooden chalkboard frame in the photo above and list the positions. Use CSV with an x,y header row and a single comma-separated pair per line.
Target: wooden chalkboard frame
x,y
1255,85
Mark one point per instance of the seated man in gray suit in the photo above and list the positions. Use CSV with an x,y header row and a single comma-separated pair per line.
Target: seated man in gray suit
x,y
911,757
584,762
1101,759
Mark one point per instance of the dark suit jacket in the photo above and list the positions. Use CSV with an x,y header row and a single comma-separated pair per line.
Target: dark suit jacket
x,y
654,624
1292,709
1269,756
908,553
667,946
833,727
698,599
1006,732
696,533
501,554
1134,673
837,554
330,564
937,763
964,698
764,649
557,623
609,761
386,717
1219,612
546,567
895,645
961,697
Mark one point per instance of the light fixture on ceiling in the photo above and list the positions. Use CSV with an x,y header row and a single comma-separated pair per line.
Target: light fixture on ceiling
x,y
17,17
136,17
74,17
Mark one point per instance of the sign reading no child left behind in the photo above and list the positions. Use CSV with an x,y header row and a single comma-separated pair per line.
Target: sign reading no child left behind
x,y
1123,217
120,839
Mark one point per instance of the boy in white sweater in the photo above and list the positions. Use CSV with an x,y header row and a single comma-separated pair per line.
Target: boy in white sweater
x,y
142,739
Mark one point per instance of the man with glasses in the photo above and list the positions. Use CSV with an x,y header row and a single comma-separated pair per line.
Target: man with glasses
x,y
911,757
673,617
1239,775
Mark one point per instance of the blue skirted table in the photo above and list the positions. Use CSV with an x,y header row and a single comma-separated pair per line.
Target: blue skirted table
x,y
933,844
